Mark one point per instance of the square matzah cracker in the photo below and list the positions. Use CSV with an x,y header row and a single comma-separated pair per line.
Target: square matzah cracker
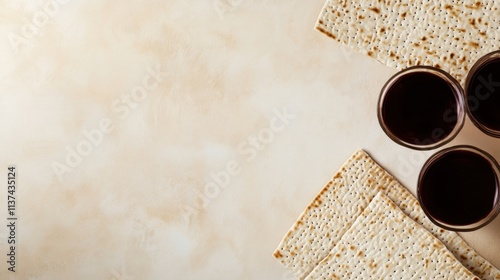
x,y
342,200
448,34
384,243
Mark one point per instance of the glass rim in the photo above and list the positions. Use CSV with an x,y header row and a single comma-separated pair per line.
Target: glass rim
x,y
458,92
477,65
496,170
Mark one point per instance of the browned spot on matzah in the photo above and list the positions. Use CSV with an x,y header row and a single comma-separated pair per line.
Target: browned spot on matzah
x,y
437,245
472,21
277,254
317,202
373,264
474,44
326,32
476,6
375,10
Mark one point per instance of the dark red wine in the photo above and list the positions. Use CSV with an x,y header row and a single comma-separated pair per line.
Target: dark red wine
x,y
420,108
459,188
483,95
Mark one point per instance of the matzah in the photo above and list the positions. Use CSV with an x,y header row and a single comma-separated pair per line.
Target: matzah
x,y
342,200
447,34
384,243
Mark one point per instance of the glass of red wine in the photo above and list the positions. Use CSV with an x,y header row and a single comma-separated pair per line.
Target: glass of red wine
x,y
458,188
482,93
421,107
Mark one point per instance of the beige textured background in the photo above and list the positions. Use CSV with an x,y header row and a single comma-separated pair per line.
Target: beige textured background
x,y
181,92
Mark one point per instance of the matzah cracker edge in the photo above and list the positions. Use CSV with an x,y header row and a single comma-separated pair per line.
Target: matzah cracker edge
x,y
378,246
342,200
446,34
